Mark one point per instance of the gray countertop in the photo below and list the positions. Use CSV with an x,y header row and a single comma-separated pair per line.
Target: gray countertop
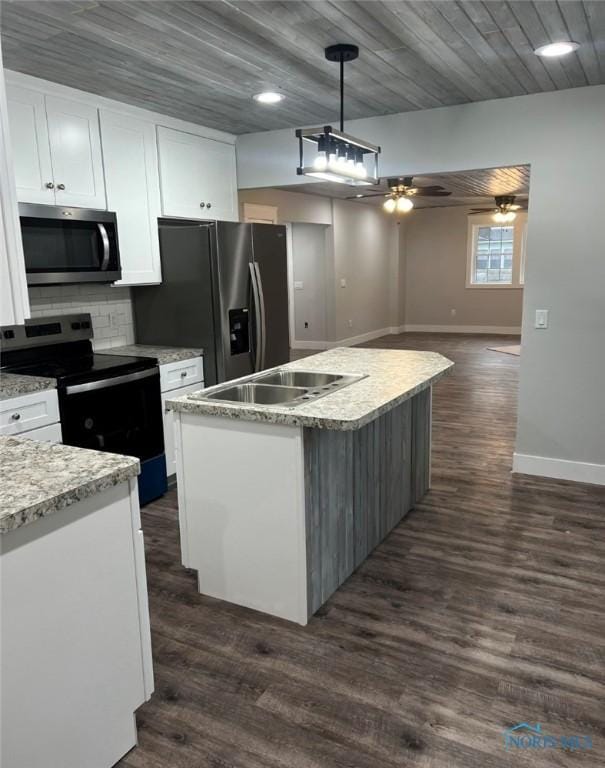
x,y
392,376
14,385
163,355
41,478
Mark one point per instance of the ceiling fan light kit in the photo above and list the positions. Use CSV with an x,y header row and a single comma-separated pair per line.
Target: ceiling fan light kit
x,y
505,211
338,156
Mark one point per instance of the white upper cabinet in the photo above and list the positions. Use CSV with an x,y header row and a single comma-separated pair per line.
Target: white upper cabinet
x,y
133,192
75,149
197,176
31,149
56,150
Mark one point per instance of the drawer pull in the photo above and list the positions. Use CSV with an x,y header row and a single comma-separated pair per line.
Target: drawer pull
x,y
16,416
183,374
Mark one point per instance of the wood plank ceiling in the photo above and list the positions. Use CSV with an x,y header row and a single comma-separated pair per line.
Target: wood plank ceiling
x,y
468,188
202,61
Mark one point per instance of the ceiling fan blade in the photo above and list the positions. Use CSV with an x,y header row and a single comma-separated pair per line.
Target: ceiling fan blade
x,y
371,194
431,192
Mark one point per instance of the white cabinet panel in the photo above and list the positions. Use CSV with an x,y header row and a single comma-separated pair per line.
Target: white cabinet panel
x,y
169,425
197,176
26,412
30,147
50,434
75,147
181,373
133,192
73,644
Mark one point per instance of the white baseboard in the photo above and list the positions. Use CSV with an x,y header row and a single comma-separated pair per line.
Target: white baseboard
x,y
560,469
348,342
496,330
318,345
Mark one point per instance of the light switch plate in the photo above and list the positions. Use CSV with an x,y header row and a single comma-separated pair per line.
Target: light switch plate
x,y
541,318
343,282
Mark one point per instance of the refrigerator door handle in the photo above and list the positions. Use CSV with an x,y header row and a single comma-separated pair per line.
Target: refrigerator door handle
x,y
257,316
263,317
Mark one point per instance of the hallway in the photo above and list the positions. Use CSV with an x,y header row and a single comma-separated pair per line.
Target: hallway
x,y
481,610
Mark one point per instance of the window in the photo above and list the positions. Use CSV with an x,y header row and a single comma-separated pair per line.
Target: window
x,y
496,253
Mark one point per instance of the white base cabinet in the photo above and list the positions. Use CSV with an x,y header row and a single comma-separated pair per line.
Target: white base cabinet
x,y
28,413
177,379
76,649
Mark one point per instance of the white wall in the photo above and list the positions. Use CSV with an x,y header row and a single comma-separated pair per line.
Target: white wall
x,y
561,134
434,251
110,309
347,241
366,257
291,206
311,265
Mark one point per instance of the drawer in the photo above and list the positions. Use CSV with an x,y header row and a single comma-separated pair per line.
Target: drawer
x,y
20,414
181,374
50,434
169,426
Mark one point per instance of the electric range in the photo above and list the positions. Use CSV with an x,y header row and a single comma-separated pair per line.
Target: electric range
x,y
106,402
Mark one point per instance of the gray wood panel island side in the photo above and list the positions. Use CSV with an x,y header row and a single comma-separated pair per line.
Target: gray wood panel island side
x,y
279,504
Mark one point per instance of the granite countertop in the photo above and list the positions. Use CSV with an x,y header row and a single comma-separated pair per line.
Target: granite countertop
x,y
163,355
41,478
392,376
14,385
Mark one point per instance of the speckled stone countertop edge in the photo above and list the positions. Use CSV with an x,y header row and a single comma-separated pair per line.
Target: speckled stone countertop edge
x,y
18,456
67,498
14,385
163,354
268,414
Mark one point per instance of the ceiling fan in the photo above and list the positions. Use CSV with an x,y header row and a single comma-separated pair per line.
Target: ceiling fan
x,y
505,210
402,190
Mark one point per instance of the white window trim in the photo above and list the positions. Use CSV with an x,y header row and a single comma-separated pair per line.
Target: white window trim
x,y
519,224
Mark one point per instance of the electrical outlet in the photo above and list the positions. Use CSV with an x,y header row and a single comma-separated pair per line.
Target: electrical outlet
x,y
350,323
306,324
452,313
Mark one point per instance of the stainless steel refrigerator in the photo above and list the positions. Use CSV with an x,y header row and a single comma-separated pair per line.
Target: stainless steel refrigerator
x,y
224,288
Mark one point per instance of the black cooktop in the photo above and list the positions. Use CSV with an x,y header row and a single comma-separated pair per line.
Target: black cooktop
x,y
72,368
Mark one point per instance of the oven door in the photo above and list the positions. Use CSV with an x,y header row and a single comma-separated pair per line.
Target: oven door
x,y
69,245
122,414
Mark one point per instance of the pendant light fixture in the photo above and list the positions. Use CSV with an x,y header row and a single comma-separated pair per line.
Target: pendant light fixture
x,y
337,156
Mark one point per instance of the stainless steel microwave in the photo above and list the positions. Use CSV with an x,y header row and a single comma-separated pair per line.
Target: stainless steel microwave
x,y
69,245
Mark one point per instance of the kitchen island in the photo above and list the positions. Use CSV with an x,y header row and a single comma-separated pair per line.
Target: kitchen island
x,y
280,503
75,647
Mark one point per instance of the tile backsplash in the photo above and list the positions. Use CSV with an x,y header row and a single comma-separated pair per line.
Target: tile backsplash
x,y
110,309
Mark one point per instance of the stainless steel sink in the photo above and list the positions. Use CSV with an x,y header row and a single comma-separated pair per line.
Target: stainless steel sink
x,y
262,394
310,379
280,387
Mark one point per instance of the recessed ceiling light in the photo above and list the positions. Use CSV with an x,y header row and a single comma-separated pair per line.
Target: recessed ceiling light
x,y
268,97
562,48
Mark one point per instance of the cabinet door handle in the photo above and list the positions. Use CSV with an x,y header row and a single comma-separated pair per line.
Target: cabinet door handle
x,y
16,416
202,205
49,185
208,205
60,186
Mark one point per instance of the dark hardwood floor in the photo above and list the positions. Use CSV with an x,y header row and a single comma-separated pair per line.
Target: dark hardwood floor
x,y
483,609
